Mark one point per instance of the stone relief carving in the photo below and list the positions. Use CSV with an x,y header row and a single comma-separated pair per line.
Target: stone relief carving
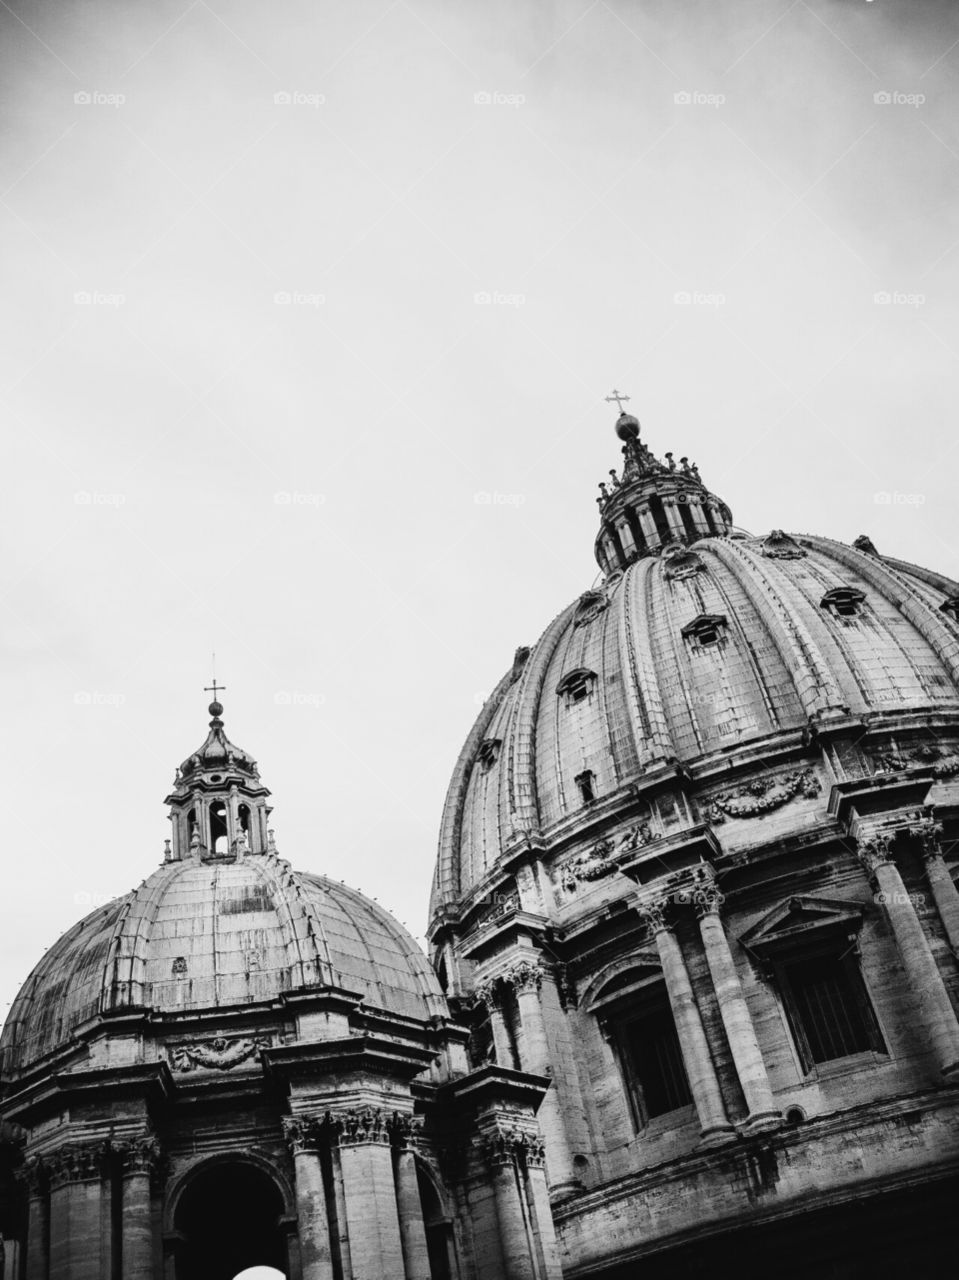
x,y
763,795
353,1127
600,860
591,605
680,562
220,1054
506,1143
888,759
778,545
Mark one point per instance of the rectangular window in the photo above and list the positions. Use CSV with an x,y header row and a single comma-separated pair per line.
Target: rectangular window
x,y
653,1063
828,1008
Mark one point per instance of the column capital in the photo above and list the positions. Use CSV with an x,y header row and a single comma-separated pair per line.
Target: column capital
x,y
506,1143
873,852
653,913
361,1126
302,1132
76,1162
928,831
33,1174
524,975
139,1155
487,994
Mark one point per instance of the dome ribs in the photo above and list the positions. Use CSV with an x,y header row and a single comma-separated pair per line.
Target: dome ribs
x,y
446,878
891,584
764,585
640,669
523,812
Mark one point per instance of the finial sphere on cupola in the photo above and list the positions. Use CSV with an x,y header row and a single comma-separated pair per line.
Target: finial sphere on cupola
x,y
627,427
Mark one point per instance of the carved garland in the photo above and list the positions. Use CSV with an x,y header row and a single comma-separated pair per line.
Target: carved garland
x,y
763,795
945,764
597,862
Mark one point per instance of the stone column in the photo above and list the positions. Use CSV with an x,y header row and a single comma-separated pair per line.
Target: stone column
x,y
648,526
737,1019
500,1151
541,1218
33,1175
76,1174
627,541
933,1003
526,978
416,1258
139,1161
488,995
945,894
675,520
703,1082
313,1226
369,1191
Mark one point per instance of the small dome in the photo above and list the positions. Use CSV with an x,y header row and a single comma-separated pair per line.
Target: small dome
x,y
198,936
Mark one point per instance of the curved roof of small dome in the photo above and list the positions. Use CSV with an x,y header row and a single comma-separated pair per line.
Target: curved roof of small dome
x,y
201,935
786,660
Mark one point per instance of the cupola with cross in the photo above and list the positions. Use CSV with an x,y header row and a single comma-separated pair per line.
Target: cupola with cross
x,y
218,805
651,503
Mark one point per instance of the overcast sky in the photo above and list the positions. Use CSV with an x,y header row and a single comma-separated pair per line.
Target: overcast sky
x,y
290,288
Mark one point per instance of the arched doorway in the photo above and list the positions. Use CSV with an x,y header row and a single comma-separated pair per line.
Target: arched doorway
x,y
228,1221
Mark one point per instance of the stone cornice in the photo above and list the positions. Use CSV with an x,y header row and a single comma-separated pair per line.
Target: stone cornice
x,y
367,1052
49,1092
493,1085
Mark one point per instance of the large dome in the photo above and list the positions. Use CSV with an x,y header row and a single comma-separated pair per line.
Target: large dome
x,y
224,923
705,652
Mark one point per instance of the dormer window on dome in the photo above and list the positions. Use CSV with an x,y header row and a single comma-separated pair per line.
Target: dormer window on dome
x,y
488,753
577,686
951,606
843,602
705,630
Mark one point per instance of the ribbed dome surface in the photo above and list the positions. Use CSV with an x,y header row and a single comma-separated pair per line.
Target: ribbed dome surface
x,y
201,935
690,655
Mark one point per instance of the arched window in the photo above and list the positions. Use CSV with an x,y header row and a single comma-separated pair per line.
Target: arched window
x,y
636,1019
218,834
439,1230
577,686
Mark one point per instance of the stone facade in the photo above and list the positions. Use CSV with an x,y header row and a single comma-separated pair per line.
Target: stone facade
x,y
693,997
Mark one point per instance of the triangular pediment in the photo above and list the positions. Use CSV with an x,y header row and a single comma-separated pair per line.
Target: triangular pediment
x,y
800,915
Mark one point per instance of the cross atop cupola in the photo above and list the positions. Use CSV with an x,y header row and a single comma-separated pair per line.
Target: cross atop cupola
x,y
651,505
218,805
